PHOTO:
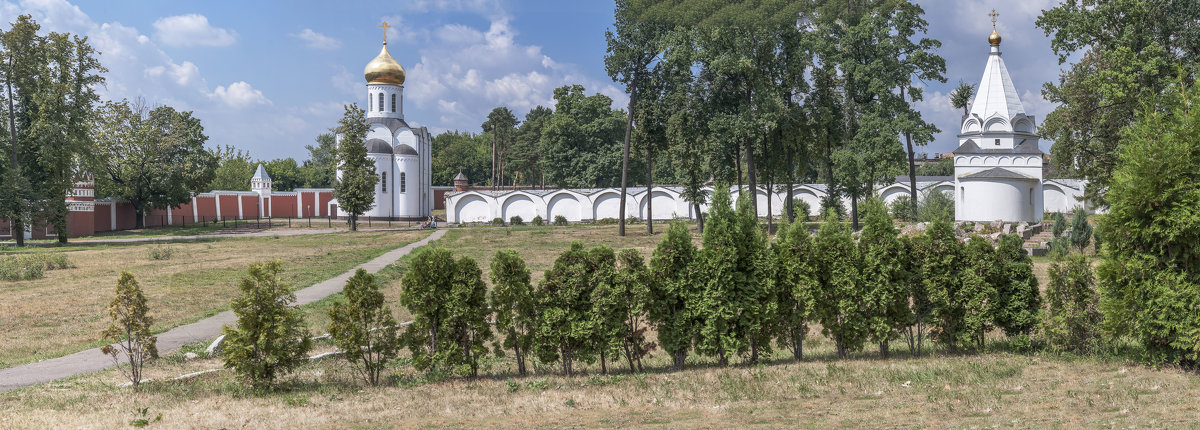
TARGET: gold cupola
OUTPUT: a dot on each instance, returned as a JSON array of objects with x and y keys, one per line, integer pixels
[
  {"x": 384, "y": 69},
  {"x": 994, "y": 38}
]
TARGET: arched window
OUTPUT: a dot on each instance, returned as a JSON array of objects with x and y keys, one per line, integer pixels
[
  {"x": 383, "y": 181},
  {"x": 381, "y": 102},
  {"x": 393, "y": 103},
  {"x": 403, "y": 186}
]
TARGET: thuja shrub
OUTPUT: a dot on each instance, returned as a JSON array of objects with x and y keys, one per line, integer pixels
[
  {"x": 537, "y": 220},
  {"x": 448, "y": 302},
  {"x": 270, "y": 338},
  {"x": 1072, "y": 316},
  {"x": 560, "y": 220},
  {"x": 129, "y": 330},
  {"x": 671, "y": 289},
  {"x": 363, "y": 327},
  {"x": 514, "y": 307}
]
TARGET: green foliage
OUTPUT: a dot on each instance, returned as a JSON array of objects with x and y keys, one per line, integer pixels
[
  {"x": 152, "y": 158},
  {"x": 1059, "y": 226},
  {"x": 159, "y": 252},
  {"x": 581, "y": 140},
  {"x": 355, "y": 190},
  {"x": 801, "y": 209},
  {"x": 286, "y": 174},
  {"x": 935, "y": 206},
  {"x": 560, "y": 220},
  {"x": 516, "y": 220},
  {"x": 619, "y": 307},
  {"x": 901, "y": 208},
  {"x": 448, "y": 301},
  {"x": 840, "y": 295},
  {"x": 497, "y": 221},
  {"x": 234, "y": 170},
  {"x": 884, "y": 276},
  {"x": 31, "y": 266},
  {"x": 270, "y": 337},
  {"x": 455, "y": 151},
  {"x": 1017, "y": 300},
  {"x": 796, "y": 285},
  {"x": 670, "y": 291},
  {"x": 1150, "y": 274},
  {"x": 566, "y": 330},
  {"x": 833, "y": 202},
  {"x": 363, "y": 327},
  {"x": 143, "y": 418},
  {"x": 538, "y": 221},
  {"x": 978, "y": 294},
  {"x": 499, "y": 127},
  {"x": 944, "y": 274},
  {"x": 129, "y": 329},
  {"x": 1081, "y": 231},
  {"x": 320, "y": 169},
  {"x": 960, "y": 98},
  {"x": 513, "y": 302},
  {"x": 943, "y": 167},
  {"x": 1072, "y": 317}
]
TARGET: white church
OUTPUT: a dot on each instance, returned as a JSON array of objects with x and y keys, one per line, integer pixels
[
  {"x": 998, "y": 175},
  {"x": 402, "y": 154}
]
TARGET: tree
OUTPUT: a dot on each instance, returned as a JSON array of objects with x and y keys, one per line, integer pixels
[
  {"x": 1148, "y": 276},
  {"x": 884, "y": 276},
  {"x": 320, "y": 169},
  {"x": 500, "y": 124},
  {"x": 581, "y": 140},
  {"x": 270, "y": 337},
  {"x": 1018, "y": 300},
  {"x": 48, "y": 101},
  {"x": 1059, "y": 226},
  {"x": 1081, "y": 231},
  {"x": 286, "y": 174},
  {"x": 513, "y": 302},
  {"x": 671, "y": 290},
  {"x": 234, "y": 169},
  {"x": 363, "y": 327},
  {"x": 981, "y": 277},
  {"x": 1072, "y": 316},
  {"x": 152, "y": 158},
  {"x": 354, "y": 189},
  {"x": 944, "y": 272},
  {"x": 620, "y": 307},
  {"x": 1126, "y": 52},
  {"x": 130, "y": 329},
  {"x": 960, "y": 97},
  {"x": 455, "y": 152},
  {"x": 839, "y": 296},
  {"x": 566, "y": 331},
  {"x": 526, "y": 153},
  {"x": 448, "y": 301},
  {"x": 795, "y": 284},
  {"x": 943, "y": 167}
]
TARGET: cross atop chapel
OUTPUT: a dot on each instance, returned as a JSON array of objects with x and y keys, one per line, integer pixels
[{"x": 385, "y": 28}]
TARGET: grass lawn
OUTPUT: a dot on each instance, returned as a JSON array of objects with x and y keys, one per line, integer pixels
[
  {"x": 994, "y": 388},
  {"x": 65, "y": 311}
]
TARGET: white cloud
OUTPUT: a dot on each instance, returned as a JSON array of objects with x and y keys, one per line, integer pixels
[
  {"x": 317, "y": 40},
  {"x": 182, "y": 74},
  {"x": 192, "y": 30},
  {"x": 239, "y": 95}
]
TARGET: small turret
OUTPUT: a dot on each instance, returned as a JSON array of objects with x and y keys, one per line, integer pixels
[
  {"x": 261, "y": 182},
  {"x": 460, "y": 182}
]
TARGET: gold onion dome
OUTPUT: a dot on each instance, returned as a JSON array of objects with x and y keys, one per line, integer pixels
[
  {"x": 994, "y": 38},
  {"x": 384, "y": 69}
]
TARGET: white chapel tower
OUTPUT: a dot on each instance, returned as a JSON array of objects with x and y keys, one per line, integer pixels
[
  {"x": 402, "y": 154},
  {"x": 998, "y": 165}
]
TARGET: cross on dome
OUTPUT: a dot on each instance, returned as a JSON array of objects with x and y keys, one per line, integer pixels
[{"x": 385, "y": 28}]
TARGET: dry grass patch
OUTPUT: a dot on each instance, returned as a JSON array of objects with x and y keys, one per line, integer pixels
[{"x": 65, "y": 310}]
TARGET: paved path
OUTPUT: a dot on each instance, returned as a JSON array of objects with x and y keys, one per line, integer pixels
[{"x": 93, "y": 360}]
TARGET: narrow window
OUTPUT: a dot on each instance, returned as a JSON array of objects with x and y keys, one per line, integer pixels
[
  {"x": 997, "y": 141},
  {"x": 402, "y": 184},
  {"x": 381, "y": 104},
  {"x": 370, "y": 106},
  {"x": 383, "y": 181},
  {"x": 393, "y": 103}
]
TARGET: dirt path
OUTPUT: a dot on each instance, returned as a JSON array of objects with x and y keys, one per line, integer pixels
[{"x": 93, "y": 360}]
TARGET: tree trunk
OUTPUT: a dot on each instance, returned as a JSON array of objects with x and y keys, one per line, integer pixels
[
  {"x": 18, "y": 225},
  {"x": 625, "y": 161},
  {"x": 789, "y": 206},
  {"x": 738, "y": 163},
  {"x": 493, "y": 157},
  {"x": 883, "y": 349},
  {"x": 912, "y": 167},
  {"x": 138, "y": 218},
  {"x": 603, "y": 361},
  {"x": 678, "y": 358},
  {"x": 699, "y": 218},
  {"x": 854, "y": 212},
  {"x": 798, "y": 344},
  {"x": 649, "y": 189}
]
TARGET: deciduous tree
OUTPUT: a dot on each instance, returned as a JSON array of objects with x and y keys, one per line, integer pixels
[{"x": 355, "y": 186}]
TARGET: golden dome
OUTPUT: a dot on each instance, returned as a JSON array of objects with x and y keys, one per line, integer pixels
[
  {"x": 994, "y": 38},
  {"x": 384, "y": 69}
]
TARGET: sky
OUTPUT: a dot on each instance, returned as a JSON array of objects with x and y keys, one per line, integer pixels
[{"x": 269, "y": 76}]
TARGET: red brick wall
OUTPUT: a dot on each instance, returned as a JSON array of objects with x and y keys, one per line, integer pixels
[
  {"x": 229, "y": 209},
  {"x": 102, "y": 218},
  {"x": 182, "y": 214},
  {"x": 81, "y": 224},
  {"x": 206, "y": 208},
  {"x": 249, "y": 207},
  {"x": 283, "y": 207},
  {"x": 324, "y": 197},
  {"x": 126, "y": 217}
]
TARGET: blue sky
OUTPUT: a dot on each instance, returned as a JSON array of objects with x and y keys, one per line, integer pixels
[{"x": 269, "y": 76}]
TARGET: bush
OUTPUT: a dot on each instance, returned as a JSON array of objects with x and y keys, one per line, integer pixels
[
  {"x": 839, "y": 295},
  {"x": 560, "y": 220},
  {"x": 901, "y": 208},
  {"x": 671, "y": 288},
  {"x": 631, "y": 220},
  {"x": 363, "y": 327},
  {"x": 159, "y": 252},
  {"x": 1018, "y": 302},
  {"x": 801, "y": 210},
  {"x": 884, "y": 276},
  {"x": 1060, "y": 225},
  {"x": 1072, "y": 317},
  {"x": 497, "y": 221},
  {"x": 538, "y": 221},
  {"x": 1081, "y": 231},
  {"x": 270, "y": 337},
  {"x": 832, "y": 202},
  {"x": 607, "y": 221},
  {"x": 31, "y": 266},
  {"x": 513, "y": 303},
  {"x": 129, "y": 329},
  {"x": 516, "y": 220},
  {"x": 566, "y": 331},
  {"x": 936, "y": 206}
]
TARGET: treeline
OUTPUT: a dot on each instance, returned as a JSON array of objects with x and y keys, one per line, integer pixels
[{"x": 235, "y": 168}]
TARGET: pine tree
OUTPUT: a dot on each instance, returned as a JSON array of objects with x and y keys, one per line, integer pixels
[
  {"x": 270, "y": 337},
  {"x": 884, "y": 276},
  {"x": 1018, "y": 300},
  {"x": 513, "y": 302},
  {"x": 363, "y": 327},
  {"x": 1059, "y": 226},
  {"x": 1072, "y": 317},
  {"x": 355, "y": 186},
  {"x": 840, "y": 298},
  {"x": 671, "y": 290},
  {"x": 796, "y": 283},
  {"x": 1081, "y": 231},
  {"x": 130, "y": 329}
]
